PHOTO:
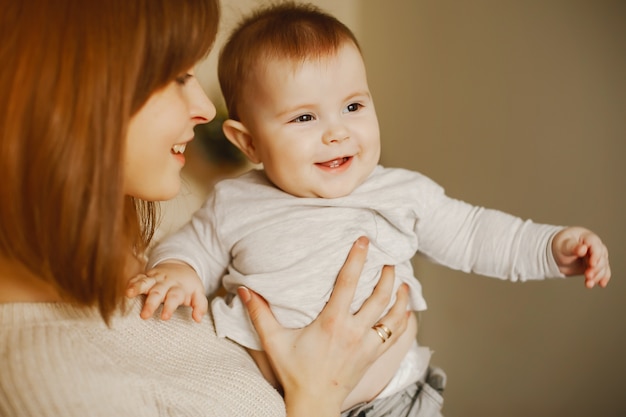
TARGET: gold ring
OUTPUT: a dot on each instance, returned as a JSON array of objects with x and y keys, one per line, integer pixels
[{"x": 383, "y": 331}]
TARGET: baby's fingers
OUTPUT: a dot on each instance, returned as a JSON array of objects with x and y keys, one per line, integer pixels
[
  {"x": 604, "y": 280},
  {"x": 598, "y": 270},
  {"x": 174, "y": 298},
  {"x": 156, "y": 296},
  {"x": 140, "y": 284},
  {"x": 200, "y": 306},
  {"x": 600, "y": 274}
]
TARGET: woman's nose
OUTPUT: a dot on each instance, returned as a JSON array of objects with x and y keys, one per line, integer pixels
[{"x": 202, "y": 108}]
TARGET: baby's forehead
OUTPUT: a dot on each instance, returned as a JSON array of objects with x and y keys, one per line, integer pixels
[
  {"x": 292, "y": 65},
  {"x": 275, "y": 76},
  {"x": 295, "y": 62}
]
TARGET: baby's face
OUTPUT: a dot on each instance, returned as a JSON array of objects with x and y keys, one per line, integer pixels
[{"x": 313, "y": 124}]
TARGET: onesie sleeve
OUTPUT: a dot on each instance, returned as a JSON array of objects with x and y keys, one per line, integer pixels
[
  {"x": 485, "y": 241},
  {"x": 198, "y": 244}
]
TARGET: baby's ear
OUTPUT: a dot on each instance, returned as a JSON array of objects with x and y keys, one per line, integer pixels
[{"x": 239, "y": 136}]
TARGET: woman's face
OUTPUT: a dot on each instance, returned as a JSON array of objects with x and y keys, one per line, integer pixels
[{"x": 157, "y": 136}]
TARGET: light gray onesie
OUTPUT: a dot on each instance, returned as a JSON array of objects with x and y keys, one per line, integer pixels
[{"x": 290, "y": 249}]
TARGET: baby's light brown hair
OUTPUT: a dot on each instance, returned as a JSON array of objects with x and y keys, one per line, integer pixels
[{"x": 293, "y": 31}]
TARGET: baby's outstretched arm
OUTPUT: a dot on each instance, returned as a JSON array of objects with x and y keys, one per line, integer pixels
[
  {"x": 578, "y": 251},
  {"x": 171, "y": 283}
]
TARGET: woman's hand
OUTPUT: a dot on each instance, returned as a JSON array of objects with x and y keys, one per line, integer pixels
[{"x": 319, "y": 365}]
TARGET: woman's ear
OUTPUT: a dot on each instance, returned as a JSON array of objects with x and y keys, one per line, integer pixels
[{"x": 239, "y": 136}]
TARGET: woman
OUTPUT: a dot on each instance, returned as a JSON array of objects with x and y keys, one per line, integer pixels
[{"x": 99, "y": 100}]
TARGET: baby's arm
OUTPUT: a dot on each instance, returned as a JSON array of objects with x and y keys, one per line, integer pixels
[
  {"x": 171, "y": 283},
  {"x": 578, "y": 251}
]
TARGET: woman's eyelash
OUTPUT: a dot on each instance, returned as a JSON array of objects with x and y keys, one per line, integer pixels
[{"x": 182, "y": 79}]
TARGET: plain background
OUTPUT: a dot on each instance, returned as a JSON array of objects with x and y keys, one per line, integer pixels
[{"x": 520, "y": 106}]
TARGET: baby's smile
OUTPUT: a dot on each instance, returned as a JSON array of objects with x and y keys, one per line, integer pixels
[{"x": 335, "y": 163}]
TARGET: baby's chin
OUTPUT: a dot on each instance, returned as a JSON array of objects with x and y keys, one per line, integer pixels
[
  {"x": 325, "y": 188},
  {"x": 338, "y": 194},
  {"x": 335, "y": 192}
]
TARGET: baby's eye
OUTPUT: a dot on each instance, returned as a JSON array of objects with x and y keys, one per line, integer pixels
[
  {"x": 303, "y": 118},
  {"x": 352, "y": 107},
  {"x": 182, "y": 79}
]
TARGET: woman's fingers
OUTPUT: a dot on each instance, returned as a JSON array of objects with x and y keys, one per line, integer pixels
[
  {"x": 376, "y": 304},
  {"x": 395, "y": 320},
  {"x": 328, "y": 357},
  {"x": 345, "y": 285},
  {"x": 260, "y": 314}
]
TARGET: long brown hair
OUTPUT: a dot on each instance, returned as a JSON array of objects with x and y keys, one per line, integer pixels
[{"x": 74, "y": 73}]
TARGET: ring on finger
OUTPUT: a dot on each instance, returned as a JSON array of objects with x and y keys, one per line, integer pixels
[{"x": 383, "y": 331}]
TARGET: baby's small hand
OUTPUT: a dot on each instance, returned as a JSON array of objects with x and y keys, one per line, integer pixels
[
  {"x": 139, "y": 284},
  {"x": 580, "y": 251},
  {"x": 172, "y": 285}
]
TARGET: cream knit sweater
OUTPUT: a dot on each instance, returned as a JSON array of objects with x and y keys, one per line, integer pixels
[{"x": 58, "y": 360}]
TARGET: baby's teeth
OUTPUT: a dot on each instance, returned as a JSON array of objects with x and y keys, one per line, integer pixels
[
  {"x": 179, "y": 148},
  {"x": 334, "y": 164}
]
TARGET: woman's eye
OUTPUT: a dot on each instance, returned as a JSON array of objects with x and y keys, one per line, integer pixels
[
  {"x": 182, "y": 79},
  {"x": 303, "y": 118},
  {"x": 352, "y": 107}
]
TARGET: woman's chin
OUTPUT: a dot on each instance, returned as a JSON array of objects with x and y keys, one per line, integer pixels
[{"x": 162, "y": 193}]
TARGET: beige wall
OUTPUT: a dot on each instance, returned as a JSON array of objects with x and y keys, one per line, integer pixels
[{"x": 517, "y": 105}]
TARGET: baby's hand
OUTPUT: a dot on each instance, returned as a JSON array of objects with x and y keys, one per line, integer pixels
[
  {"x": 172, "y": 284},
  {"x": 579, "y": 251}
]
